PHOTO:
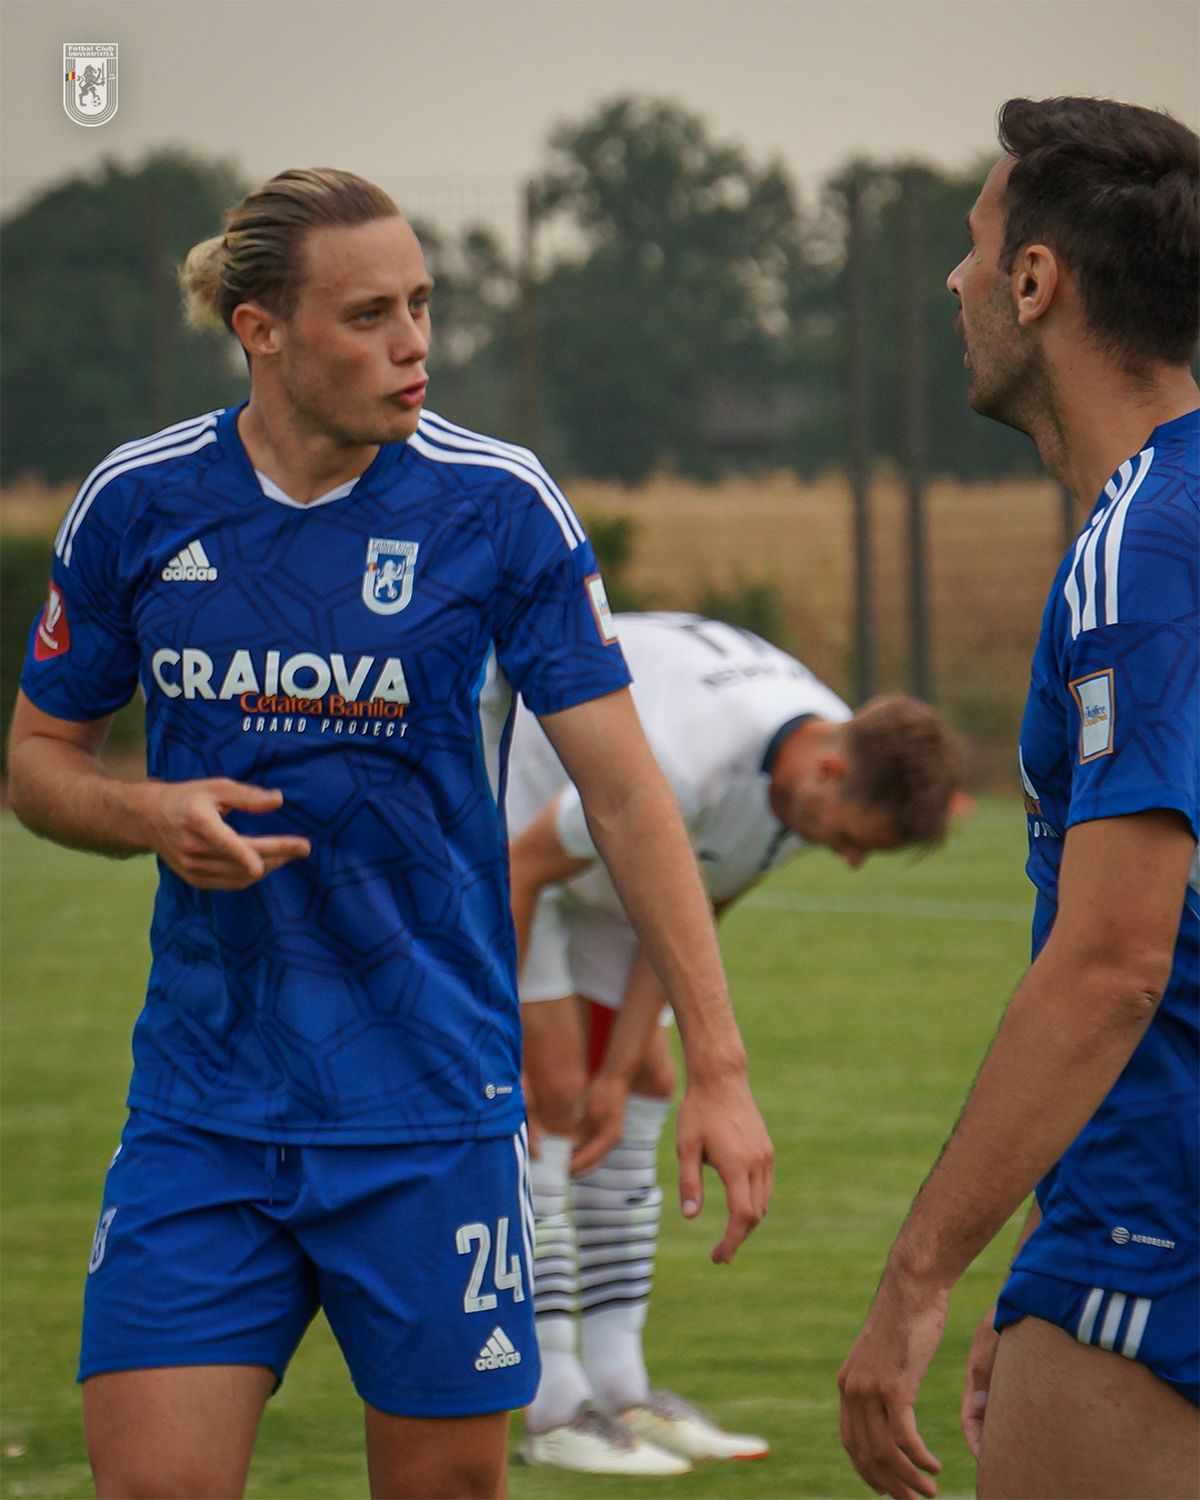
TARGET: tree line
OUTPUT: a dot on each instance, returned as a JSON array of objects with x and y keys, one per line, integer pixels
[{"x": 696, "y": 323}]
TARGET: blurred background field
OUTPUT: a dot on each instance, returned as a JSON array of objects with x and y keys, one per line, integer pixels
[{"x": 867, "y": 1000}]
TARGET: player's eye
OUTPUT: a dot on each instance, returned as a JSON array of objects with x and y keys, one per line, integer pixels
[
  {"x": 368, "y": 317},
  {"x": 418, "y": 305}
]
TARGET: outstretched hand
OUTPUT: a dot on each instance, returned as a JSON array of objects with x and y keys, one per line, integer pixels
[
  {"x": 719, "y": 1125},
  {"x": 191, "y": 836}
]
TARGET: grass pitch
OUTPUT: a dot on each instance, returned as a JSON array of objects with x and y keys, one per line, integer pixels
[{"x": 867, "y": 1001}]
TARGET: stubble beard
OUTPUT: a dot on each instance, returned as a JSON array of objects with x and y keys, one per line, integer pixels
[
  {"x": 1008, "y": 378},
  {"x": 313, "y": 407}
]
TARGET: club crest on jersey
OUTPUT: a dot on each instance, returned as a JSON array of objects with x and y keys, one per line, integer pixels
[
  {"x": 388, "y": 578},
  {"x": 90, "y": 81}
]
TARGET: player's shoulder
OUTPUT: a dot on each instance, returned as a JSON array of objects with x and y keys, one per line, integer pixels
[
  {"x": 121, "y": 475},
  {"x": 1138, "y": 558},
  {"x": 494, "y": 471}
]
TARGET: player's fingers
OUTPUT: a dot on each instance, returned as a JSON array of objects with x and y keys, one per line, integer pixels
[
  {"x": 691, "y": 1189},
  {"x": 761, "y": 1184},
  {"x": 278, "y": 849},
  {"x": 974, "y": 1403},
  {"x": 246, "y": 798},
  {"x": 899, "y": 1455},
  {"x": 594, "y": 1142},
  {"x": 741, "y": 1220}
]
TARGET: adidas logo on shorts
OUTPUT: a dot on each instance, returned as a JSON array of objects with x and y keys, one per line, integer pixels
[
  {"x": 189, "y": 566},
  {"x": 498, "y": 1353}
]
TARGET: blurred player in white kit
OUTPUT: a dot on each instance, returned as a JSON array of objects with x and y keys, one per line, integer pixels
[{"x": 764, "y": 761}]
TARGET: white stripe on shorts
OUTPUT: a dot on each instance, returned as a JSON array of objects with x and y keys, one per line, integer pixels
[
  {"x": 1137, "y": 1326},
  {"x": 1090, "y": 1310},
  {"x": 1112, "y": 1320}
]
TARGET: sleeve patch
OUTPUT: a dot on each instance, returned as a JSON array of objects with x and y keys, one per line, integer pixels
[
  {"x": 53, "y": 637},
  {"x": 600, "y": 608},
  {"x": 1094, "y": 696}
]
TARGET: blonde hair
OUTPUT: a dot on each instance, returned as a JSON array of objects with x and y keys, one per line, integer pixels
[{"x": 258, "y": 258}]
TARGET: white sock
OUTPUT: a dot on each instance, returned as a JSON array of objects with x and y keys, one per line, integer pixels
[
  {"x": 563, "y": 1386},
  {"x": 617, "y": 1210}
]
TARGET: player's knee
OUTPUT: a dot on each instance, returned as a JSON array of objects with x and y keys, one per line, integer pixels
[
  {"x": 447, "y": 1475},
  {"x": 559, "y": 1097},
  {"x": 168, "y": 1480}
]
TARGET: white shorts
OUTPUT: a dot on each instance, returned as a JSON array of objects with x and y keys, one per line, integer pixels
[{"x": 577, "y": 950}]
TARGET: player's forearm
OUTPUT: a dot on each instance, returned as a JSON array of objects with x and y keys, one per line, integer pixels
[
  {"x": 645, "y": 847},
  {"x": 61, "y": 792},
  {"x": 1069, "y": 1031},
  {"x": 636, "y": 1021}
]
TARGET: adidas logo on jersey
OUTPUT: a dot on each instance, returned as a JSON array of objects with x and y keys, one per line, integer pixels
[
  {"x": 189, "y": 566},
  {"x": 498, "y": 1353}
]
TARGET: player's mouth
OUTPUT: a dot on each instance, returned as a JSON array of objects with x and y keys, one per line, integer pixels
[
  {"x": 411, "y": 396},
  {"x": 962, "y": 333}
]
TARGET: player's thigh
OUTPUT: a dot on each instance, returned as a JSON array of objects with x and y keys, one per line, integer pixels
[
  {"x": 1069, "y": 1420},
  {"x": 555, "y": 1069},
  {"x": 183, "y": 1433},
  {"x": 423, "y": 1256},
  {"x": 430, "y": 1458}
]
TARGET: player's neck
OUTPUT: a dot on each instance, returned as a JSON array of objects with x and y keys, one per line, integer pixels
[
  {"x": 303, "y": 463},
  {"x": 1101, "y": 416}
]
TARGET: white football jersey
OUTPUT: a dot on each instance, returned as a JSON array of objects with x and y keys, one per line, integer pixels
[{"x": 712, "y": 699}]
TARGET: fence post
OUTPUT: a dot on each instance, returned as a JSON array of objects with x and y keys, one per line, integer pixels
[
  {"x": 528, "y": 373},
  {"x": 913, "y": 420},
  {"x": 859, "y": 436}
]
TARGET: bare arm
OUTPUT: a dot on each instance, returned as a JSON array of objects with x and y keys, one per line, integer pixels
[
  {"x": 637, "y": 829},
  {"x": 59, "y": 789},
  {"x": 635, "y": 1024},
  {"x": 1069, "y": 1030}
]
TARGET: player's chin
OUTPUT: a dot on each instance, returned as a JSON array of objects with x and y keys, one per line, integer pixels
[{"x": 389, "y": 426}]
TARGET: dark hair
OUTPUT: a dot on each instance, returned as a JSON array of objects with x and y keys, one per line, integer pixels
[
  {"x": 904, "y": 760},
  {"x": 258, "y": 257},
  {"x": 1112, "y": 189}
]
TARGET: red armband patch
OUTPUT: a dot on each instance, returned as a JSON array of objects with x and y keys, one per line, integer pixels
[{"x": 53, "y": 637}]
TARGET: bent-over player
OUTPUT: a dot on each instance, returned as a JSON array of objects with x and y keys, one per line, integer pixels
[{"x": 764, "y": 761}]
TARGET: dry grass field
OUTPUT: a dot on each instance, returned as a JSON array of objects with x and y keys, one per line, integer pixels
[{"x": 992, "y": 551}]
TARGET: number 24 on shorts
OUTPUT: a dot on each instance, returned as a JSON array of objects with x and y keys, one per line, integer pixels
[{"x": 506, "y": 1269}]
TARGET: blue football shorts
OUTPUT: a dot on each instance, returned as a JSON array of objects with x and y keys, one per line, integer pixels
[
  {"x": 1161, "y": 1332},
  {"x": 215, "y": 1250}
]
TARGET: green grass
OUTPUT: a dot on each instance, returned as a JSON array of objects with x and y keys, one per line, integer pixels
[{"x": 867, "y": 1001}]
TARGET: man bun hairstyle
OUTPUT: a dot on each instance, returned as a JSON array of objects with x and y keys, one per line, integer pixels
[
  {"x": 1113, "y": 190},
  {"x": 903, "y": 759},
  {"x": 259, "y": 257}
]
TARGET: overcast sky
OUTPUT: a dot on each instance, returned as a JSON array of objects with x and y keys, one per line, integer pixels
[{"x": 449, "y": 103}]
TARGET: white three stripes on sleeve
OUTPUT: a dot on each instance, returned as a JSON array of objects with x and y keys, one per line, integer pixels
[
  {"x": 445, "y": 443},
  {"x": 172, "y": 442},
  {"x": 1110, "y": 522}
]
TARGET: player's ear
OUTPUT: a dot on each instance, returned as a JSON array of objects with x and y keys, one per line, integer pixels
[
  {"x": 832, "y": 767},
  {"x": 1034, "y": 281},
  {"x": 260, "y": 331}
]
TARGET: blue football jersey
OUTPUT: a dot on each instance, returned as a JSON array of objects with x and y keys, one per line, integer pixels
[
  {"x": 335, "y": 651},
  {"x": 1112, "y": 727}
]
